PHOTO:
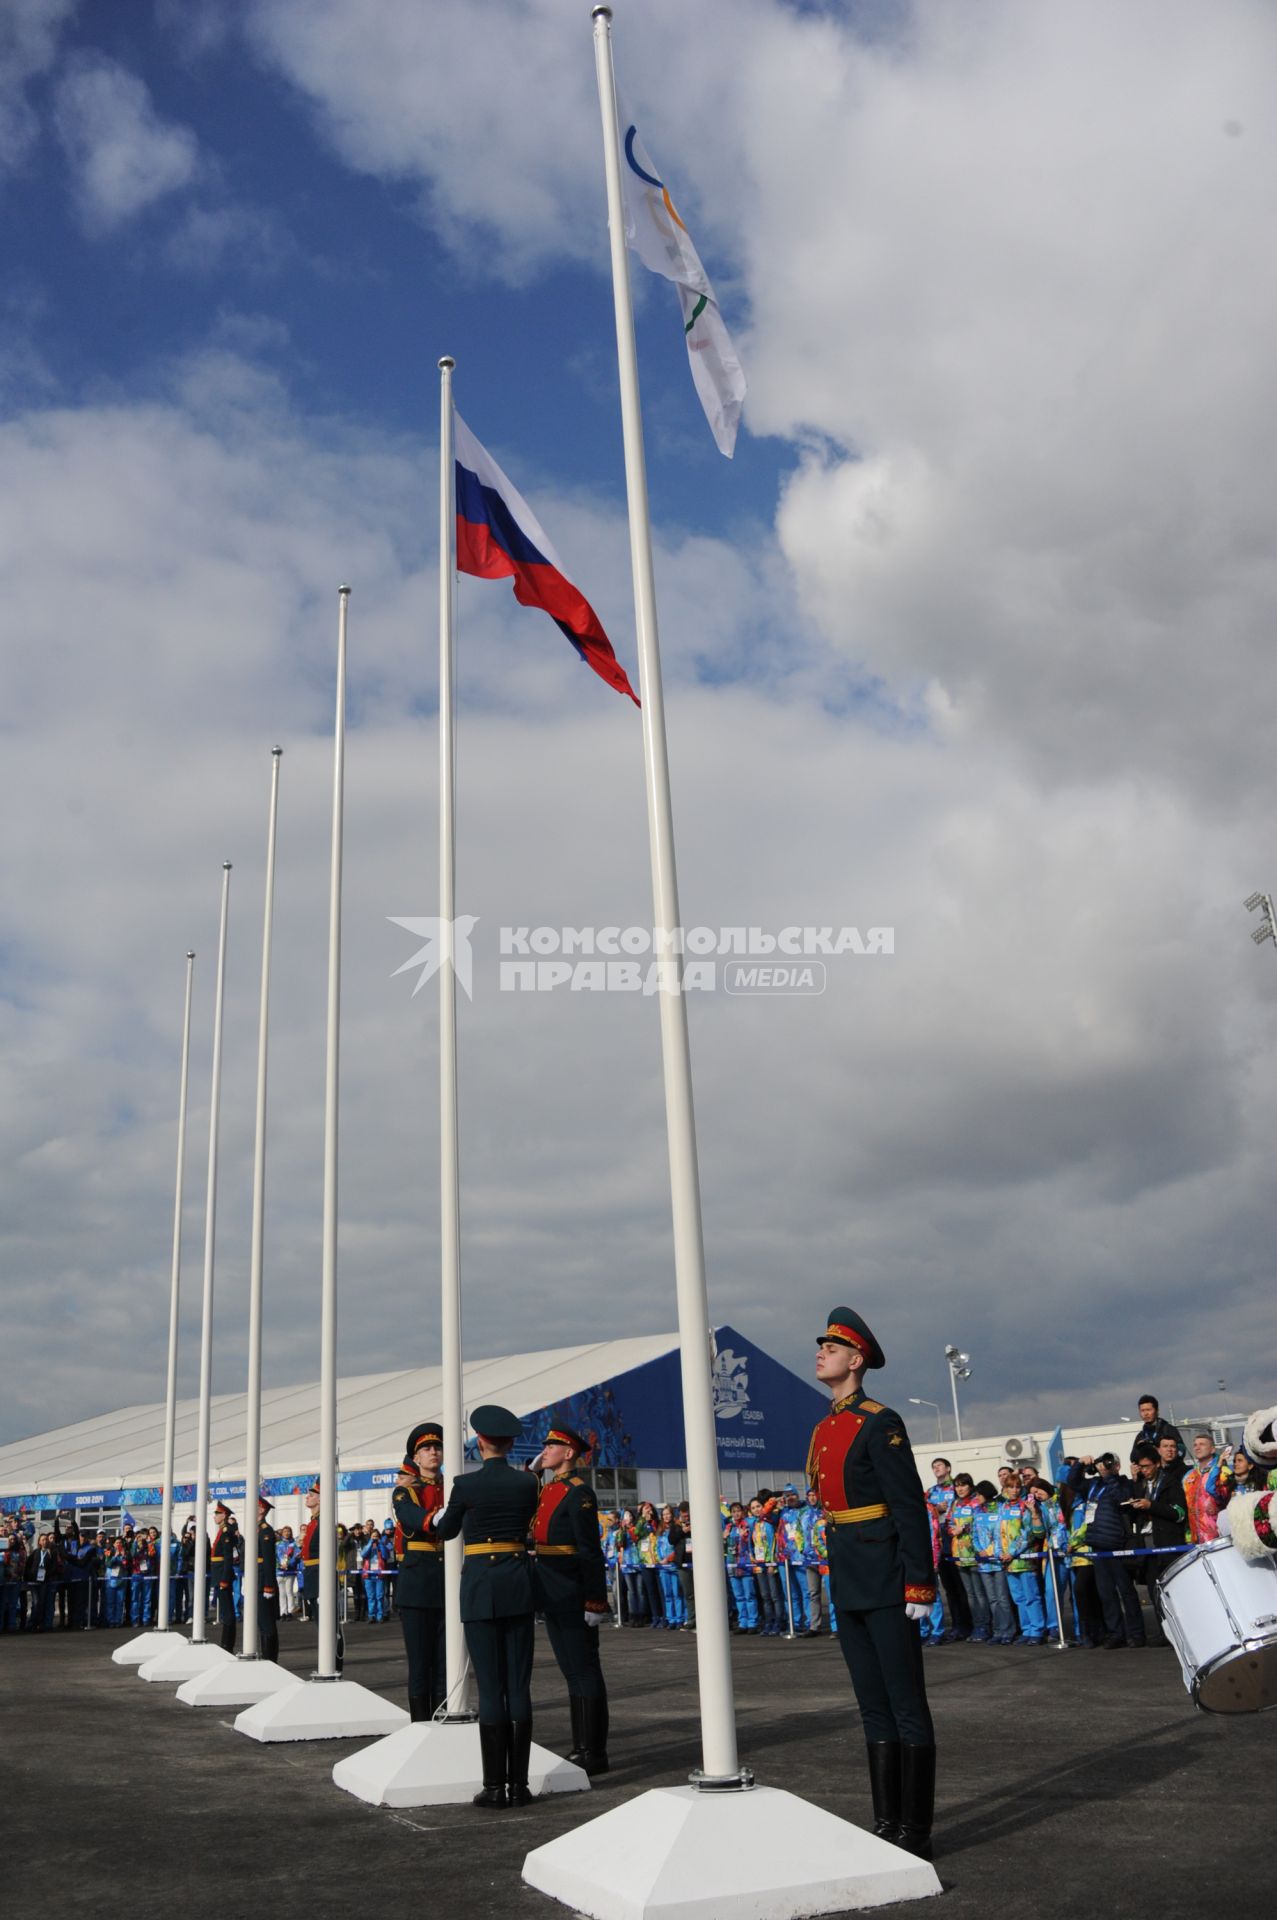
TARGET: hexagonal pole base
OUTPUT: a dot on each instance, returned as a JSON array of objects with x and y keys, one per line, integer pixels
[
  {"x": 147, "y": 1646},
  {"x": 437, "y": 1763},
  {"x": 183, "y": 1661},
  {"x": 679, "y": 1853},
  {"x": 239, "y": 1683},
  {"x": 321, "y": 1710}
]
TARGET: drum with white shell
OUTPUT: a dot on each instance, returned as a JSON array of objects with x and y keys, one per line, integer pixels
[{"x": 1220, "y": 1615}]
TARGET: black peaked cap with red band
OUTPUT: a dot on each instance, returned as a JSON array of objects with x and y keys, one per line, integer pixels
[
  {"x": 850, "y": 1330},
  {"x": 564, "y": 1436},
  {"x": 423, "y": 1431}
]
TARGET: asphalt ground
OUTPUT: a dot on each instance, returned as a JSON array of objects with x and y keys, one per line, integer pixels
[{"x": 1075, "y": 1783}]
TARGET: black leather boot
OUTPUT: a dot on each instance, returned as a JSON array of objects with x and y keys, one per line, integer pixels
[
  {"x": 594, "y": 1746},
  {"x": 884, "y": 1784},
  {"x": 492, "y": 1745},
  {"x": 576, "y": 1706},
  {"x": 418, "y": 1707},
  {"x": 917, "y": 1799},
  {"x": 520, "y": 1748}
]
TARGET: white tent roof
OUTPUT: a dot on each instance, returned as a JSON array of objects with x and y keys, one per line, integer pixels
[{"x": 374, "y": 1414}]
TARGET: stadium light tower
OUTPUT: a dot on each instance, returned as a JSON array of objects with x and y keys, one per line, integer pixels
[
  {"x": 959, "y": 1369},
  {"x": 1267, "y": 928}
]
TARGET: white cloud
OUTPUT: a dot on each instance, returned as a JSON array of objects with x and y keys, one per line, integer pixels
[
  {"x": 123, "y": 156},
  {"x": 30, "y": 32},
  {"x": 1049, "y": 1093},
  {"x": 1011, "y": 293}
]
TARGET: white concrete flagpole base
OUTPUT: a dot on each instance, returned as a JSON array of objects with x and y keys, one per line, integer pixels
[
  {"x": 239, "y": 1684},
  {"x": 184, "y": 1661},
  {"x": 147, "y": 1646},
  {"x": 681, "y": 1853},
  {"x": 437, "y": 1763},
  {"x": 321, "y": 1710}
]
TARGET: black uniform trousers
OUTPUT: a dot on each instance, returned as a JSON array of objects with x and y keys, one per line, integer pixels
[
  {"x": 576, "y": 1648},
  {"x": 1123, "y": 1617},
  {"x": 423, "y": 1639},
  {"x": 959, "y": 1605},
  {"x": 501, "y": 1655},
  {"x": 268, "y": 1626},
  {"x": 883, "y": 1651}
]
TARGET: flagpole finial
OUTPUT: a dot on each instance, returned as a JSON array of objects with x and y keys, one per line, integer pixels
[
  {"x": 447, "y": 362},
  {"x": 601, "y": 13},
  {"x": 226, "y": 866},
  {"x": 190, "y": 953},
  {"x": 275, "y": 752},
  {"x": 343, "y": 590}
]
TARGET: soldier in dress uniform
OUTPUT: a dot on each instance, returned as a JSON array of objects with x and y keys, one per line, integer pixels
[
  {"x": 492, "y": 1509},
  {"x": 226, "y": 1558},
  {"x": 571, "y": 1589},
  {"x": 418, "y": 1497},
  {"x": 267, "y": 1584},
  {"x": 310, "y": 1569},
  {"x": 881, "y": 1577}
]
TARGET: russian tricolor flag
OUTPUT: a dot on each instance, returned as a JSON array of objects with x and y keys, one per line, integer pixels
[{"x": 499, "y": 537}]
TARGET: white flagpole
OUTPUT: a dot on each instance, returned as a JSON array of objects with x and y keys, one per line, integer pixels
[
  {"x": 253, "y": 1434},
  {"x": 713, "y": 1646},
  {"x": 328, "y": 1308},
  {"x": 199, "y": 1598},
  {"x": 164, "y": 1605},
  {"x": 456, "y": 1665}
]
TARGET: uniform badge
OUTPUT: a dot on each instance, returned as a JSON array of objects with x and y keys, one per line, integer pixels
[{"x": 897, "y": 1439}]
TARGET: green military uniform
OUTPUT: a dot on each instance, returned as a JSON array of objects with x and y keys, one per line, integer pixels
[
  {"x": 267, "y": 1586},
  {"x": 571, "y": 1583},
  {"x": 880, "y": 1563},
  {"x": 419, "y": 1594},
  {"x": 492, "y": 1509}
]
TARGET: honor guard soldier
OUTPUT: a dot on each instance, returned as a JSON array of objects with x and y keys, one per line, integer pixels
[
  {"x": 226, "y": 1559},
  {"x": 310, "y": 1569},
  {"x": 267, "y": 1585},
  {"x": 571, "y": 1589},
  {"x": 418, "y": 1497},
  {"x": 881, "y": 1577},
  {"x": 492, "y": 1510}
]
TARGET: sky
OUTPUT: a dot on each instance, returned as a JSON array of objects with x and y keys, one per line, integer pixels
[{"x": 970, "y": 641}]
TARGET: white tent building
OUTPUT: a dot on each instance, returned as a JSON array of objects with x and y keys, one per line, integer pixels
[{"x": 623, "y": 1393}]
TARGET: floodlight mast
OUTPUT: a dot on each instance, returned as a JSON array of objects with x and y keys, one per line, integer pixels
[
  {"x": 959, "y": 1369},
  {"x": 1262, "y": 903}
]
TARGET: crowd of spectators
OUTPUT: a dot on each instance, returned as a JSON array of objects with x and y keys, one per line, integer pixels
[{"x": 1010, "y": 1558}]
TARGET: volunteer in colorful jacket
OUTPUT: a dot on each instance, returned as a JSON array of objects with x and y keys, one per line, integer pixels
[
  {"x": 882, "y": 1576},
  {"x": 1020, "y": 1537},
  {"x": 1208, "y": 1488},
  {"x": 959, "y": 1525},
  {"x": 942, "y": 1494},
  {"x": 791, "y": 1551}
]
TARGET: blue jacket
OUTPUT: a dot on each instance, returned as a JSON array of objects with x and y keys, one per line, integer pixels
[
  {"x": 986, "y": 1536},
  {"x": 1107, "y": 1525}
]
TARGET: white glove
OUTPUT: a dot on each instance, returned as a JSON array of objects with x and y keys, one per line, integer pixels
[
  {"x": 916, "y": 1610},
  {"x": 595, "y": 1619}
]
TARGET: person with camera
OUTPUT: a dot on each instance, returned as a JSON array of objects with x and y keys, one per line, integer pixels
[
  {"x": 1106, "y": 1495},
  {"x": 1159, "y": 1515}
]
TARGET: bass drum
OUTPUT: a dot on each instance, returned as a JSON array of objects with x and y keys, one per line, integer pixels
[{"x": 1220, "y": 1615}]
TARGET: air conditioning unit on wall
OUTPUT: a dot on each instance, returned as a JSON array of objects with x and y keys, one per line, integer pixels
[{"x": 1021, "y": 1446}]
